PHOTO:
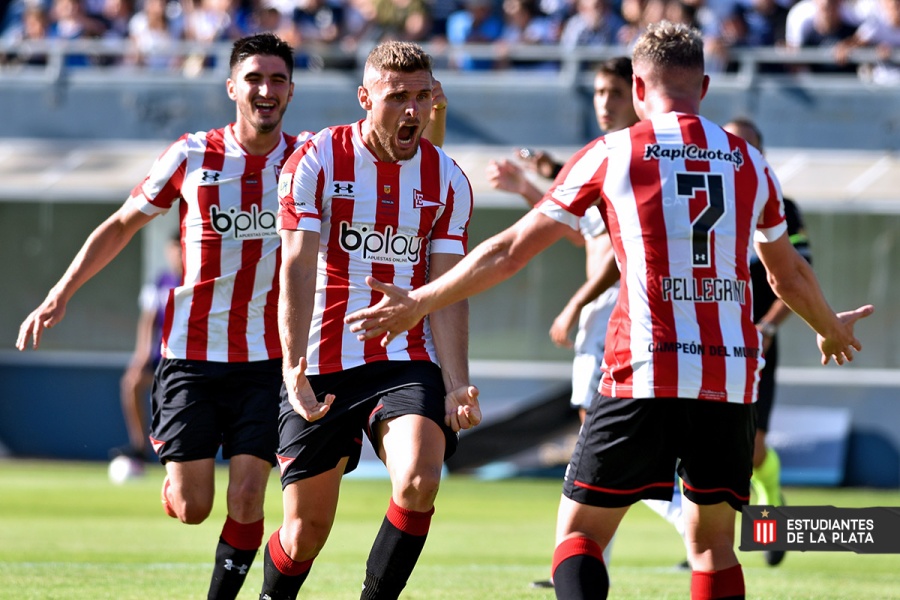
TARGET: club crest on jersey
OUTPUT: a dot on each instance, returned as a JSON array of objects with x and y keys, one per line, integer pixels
[
  {"x": 420, "y": 201},
  {"x": 242, "y": 224},
  {"x": 372, "y": 245},
  {"x": 342, "y": 189}
]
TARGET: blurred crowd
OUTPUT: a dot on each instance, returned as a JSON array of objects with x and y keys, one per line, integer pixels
[{"x": 152, "y": 26}]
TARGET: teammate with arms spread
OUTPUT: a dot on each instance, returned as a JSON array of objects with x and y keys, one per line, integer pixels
[
  {"x": 219, "y": 379},
  {"x": 358, "y": 200},
  {"x": 683, "y": 201}
]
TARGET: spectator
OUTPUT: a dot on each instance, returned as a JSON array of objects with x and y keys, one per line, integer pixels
[
  {"x": 819, "y": 24},
  {"x": 34, "y": 27},
  {"x": 406, "y": 20},
  {"x": 207, "y": 22},
  {"x": 593, "y": 24},
  {"x": 70, "y": 22},
  {"x": 880, "y": 30},
  {"x": 152, "y": 35},
  {"x": 756, "y": 24},
  {"x": 477, "y": 23},
  {"x": 524, "y": 24}
]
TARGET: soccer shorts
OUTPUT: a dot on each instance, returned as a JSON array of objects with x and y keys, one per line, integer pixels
[
  {"x": 198, "y": 406},
  {"x": 628, "y": 449},
  {"x": 363, "y": 396},
  {"x": 765, "y": 394}
]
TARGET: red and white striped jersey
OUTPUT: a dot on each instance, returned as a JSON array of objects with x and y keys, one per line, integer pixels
[
  {"x": 682, "y": 199},
  {"x": 225, "y": 310},
  {"x": 374, "y": 218}
]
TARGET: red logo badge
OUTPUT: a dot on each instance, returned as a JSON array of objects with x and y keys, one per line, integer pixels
[{"x": 764, "y": 531}]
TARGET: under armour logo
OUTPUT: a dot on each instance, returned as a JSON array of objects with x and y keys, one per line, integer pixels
[
  {"x": 230, "y": 566},
  {"x": 338, "y": 188},
  {"x": 211, "y": 175}
]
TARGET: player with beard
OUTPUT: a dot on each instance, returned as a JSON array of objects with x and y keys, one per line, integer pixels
[{"x": 368, "y": 199}]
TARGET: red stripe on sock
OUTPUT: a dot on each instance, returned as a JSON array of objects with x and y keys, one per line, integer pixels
[
  {"x": 409, "y": 521},
  {"x": 284, "y": 563},
  {"x": 575, "y": 546},
  {"x": 709, "y": 585},
  {"x": 243, "y": 536}
]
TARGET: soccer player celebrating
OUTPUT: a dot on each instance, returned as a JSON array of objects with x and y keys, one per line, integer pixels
[
  {"x": 219, "y": 379},
  {"x": 358, "y": 200},
  {"x": 682, "y": 200}
]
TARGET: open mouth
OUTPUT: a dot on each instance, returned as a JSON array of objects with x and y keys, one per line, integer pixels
[
  {"x": 407, "y": 135},
  {"x": 264, "y": 107}
]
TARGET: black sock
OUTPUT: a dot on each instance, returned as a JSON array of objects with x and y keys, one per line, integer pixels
[
  {"x": 237, "y": 548},
  {"x": 578, "y": 570},
  {"x": 395, "y": 552},
  {"x": 282, "y": 576}
]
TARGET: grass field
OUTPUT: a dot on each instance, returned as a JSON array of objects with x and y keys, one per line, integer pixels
[{"x": 67, "y": 533}]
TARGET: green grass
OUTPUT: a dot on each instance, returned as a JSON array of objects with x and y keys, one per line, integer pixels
[{"x": 67, "y": 533}]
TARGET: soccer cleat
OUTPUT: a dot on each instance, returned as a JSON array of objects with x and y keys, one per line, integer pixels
[
  {"x": 542, "y": 584},
  {"x": 165, "y": 499},
  {"x": 774, "y": 557}
]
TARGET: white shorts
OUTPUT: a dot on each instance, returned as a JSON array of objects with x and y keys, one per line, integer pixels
[{"x": 589, "y": 344}]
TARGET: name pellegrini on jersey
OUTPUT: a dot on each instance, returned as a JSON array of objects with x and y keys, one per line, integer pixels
[
  {"x": 692, "y": 152},
  {"x": 372, "y": 245},
  {"x": 706, "y": 289}
]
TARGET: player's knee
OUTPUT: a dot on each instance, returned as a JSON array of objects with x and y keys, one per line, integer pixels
[
  {"x": 245, "y": 500},
  {"x": 419, "y": 489},
  {"x": 303, "y": 539},
  {"x": 191, "y": 510}
]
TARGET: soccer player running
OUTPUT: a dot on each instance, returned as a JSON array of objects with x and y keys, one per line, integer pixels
[
  {"x": 219, "y": 379},
  {"x": 358, "y": 200},
  {"x": 683, "y": 201}
]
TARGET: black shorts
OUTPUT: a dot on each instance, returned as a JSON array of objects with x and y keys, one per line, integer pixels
[
  {"x": 765, "y": 391},
  {"x": 201, "y": 405},
  {"x": 364, "y": 395},
  {"x": 628, "y": 449}
]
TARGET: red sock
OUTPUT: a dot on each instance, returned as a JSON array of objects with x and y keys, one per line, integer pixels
[
  {"x": 727, "y": 584},
  {"x": 575, "y": 546},
  {"x": 243, "y": 536},
  {"x": 409, "y": 521},
  {"x": 284, "y": 563}
]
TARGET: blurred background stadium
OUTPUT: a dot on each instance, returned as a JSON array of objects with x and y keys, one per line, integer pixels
[{"x": 83, "y": 119}]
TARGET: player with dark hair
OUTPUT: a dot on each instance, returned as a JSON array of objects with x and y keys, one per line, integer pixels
[
  {"x": 769, "y": 312},
  {"x": 683, "y": 201},
  {"x": 369, "y": 199},
  {"x": 591, "y": 305},
  {"x": 219, "y": 378}
]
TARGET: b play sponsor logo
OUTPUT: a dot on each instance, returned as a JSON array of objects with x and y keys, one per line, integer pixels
[
  {"x": 372, "y": 245},
  {"x": 243, "y": 224}
]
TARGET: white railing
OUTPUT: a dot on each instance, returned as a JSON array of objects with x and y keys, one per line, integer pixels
[{"x": 54, "y": 59}]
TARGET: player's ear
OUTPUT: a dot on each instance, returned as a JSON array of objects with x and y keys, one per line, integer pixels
[
  {"x": 364, "y": 99},
  {"x": 704, "y": 86},
  {"x": 229, "y": 86}
]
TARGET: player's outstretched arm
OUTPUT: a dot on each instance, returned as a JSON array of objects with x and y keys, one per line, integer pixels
[
  {"x": 491, "y": 262},
  {"x": 793, "y": 280},
  {"x": 102, "y": 245}
]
